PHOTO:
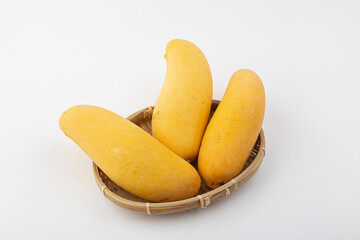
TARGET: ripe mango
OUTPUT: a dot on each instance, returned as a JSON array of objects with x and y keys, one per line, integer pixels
[
  {"x": 233, "y": 129},
  {"x": 183, "y": 106},
  {"x": 129, "y": 156}
]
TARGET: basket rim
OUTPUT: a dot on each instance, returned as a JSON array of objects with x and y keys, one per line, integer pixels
[
  {"x": 203, "y": 200},
  {"x": 255, "y": 164}
]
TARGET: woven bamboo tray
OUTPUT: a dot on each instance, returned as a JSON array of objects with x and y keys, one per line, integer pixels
[{"x": 205, "y": 196}]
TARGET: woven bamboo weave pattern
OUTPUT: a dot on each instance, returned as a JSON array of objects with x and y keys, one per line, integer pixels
[{"x": 205, "y": 196}]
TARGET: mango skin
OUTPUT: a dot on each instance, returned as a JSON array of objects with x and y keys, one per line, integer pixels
[
  {"x": 182, "y": 109},
  {"x": 233, "y": 129},
  {"x": 129, "y": 156}
]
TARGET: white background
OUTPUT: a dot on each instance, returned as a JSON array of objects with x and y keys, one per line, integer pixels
[{"x": 56, "y": 54}]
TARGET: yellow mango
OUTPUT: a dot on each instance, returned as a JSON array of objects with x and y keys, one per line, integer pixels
[
  {"x": 233, "y": 129},
  {"x": 129, "y": 156},
  {"x": 183, "y": 106}
]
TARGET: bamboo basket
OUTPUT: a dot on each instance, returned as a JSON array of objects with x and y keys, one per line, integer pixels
[{"x": 205, "y": 196}]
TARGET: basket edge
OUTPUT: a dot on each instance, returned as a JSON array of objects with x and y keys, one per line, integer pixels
[{"x": 201, "y": 200}]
